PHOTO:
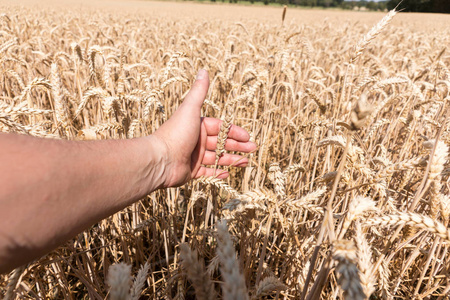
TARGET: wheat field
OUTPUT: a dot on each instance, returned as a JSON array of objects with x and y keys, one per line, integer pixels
[{"x": 346, "y": 197}]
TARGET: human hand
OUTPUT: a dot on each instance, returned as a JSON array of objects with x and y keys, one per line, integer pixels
[{"x": 189, "y": 141}]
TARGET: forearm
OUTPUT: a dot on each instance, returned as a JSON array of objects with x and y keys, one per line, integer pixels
[{"x": 52, "y": 190}]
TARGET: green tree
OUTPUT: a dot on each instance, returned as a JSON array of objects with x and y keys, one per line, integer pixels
[
  {"x": 304, "y": 2},
  {"x": 441, "y": 6},
  {"x": 372, "y": 5},
  {"x": 347, "y": 5},
  {"x": 326, "y": 3},
  {"x": 361, "y": 4},
  {"x": 382, "y": 6}
]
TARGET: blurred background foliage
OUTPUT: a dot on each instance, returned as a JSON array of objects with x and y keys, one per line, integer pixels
[{"x": 436, "y": 6}]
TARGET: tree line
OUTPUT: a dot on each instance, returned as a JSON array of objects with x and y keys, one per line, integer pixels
[{"x": 437, "y": 6}]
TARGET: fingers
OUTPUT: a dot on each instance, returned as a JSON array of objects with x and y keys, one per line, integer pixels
[
  {"x": 230, "y": 145},
  {"x": 237, "y": 133},
  {"x": 209, "y": 172},
  {"x": 226, "y": 160},
  {"x": 238, "y": 138},
  {"x": 198, "y": 91}
]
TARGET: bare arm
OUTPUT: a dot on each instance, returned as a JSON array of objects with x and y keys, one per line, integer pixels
[{"x": 52, "y": 190}]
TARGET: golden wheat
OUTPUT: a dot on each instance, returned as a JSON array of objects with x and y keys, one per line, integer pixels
[{"x": 318, "y": 86}]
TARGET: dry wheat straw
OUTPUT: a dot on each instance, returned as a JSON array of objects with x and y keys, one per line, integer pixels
[{"x": 81, "y": 76}]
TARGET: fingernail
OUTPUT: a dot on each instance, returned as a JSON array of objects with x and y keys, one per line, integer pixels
[{"x": 201, "y": 74}]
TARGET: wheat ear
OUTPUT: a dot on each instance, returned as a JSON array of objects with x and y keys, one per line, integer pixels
[
  {"x": 436, "y": 167},
  {"x": 12, "y": 283},
  {"x": 219, "y": 184},
  {"x": 358, "y": 206},
  {"x": 414, "y": 220},
  {"x": 364, "y": 254},
  {"x": 268, "y": 286},
  {"x": 58, "y": 95},
  {"x": 139, "y": 281},
  {"x": 278, "y": 179},
  {"x": 362, "y": 44},
  {"x": 92, "y": 52},
  {"x": 233, "y": 286},
  {"x": 196, "y": 272},
  {"x": 223, "y": 134},
  {"x": 283, "y": 15},
  {"x": 119, "y": 281},
  {"x": 344, "y": 252}
]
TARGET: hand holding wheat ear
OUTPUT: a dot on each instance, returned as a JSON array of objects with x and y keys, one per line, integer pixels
[
  {"x": 101, "y": 177},
  {"x": 189, "y": 141}
]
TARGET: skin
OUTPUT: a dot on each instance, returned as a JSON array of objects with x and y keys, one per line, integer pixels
[{"x": 51, "y": 190}]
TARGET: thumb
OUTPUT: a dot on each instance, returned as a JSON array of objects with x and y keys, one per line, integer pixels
[{"x": 199, "y": 89}]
